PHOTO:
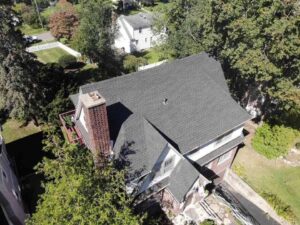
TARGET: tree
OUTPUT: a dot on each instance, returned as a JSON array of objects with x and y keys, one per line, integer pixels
[
  {"x": 20, "y": 93},
  {"x": 95, "y": 34},
  {"x": 29, "y": 15},
  {"x": 257, "y": 43},
  {"x": 77, "y": 194},
  {"x": 64, "y": 23}
]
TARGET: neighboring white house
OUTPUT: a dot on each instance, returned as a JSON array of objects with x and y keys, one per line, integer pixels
[{"x": 135, "y": 33}]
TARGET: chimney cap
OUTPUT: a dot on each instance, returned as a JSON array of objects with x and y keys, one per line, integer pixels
[{"x": 92, "y": 99}]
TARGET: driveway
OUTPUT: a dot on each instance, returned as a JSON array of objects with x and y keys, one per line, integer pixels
[
  {"x": 243, "y": 198},
  {"x": 46, "y": 36}
]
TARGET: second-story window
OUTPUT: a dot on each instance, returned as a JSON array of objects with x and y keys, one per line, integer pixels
[
  {"x": 140, "y": 30},
  {"x": 168, "y": 164},
  {"x": 146, "y": 40}
]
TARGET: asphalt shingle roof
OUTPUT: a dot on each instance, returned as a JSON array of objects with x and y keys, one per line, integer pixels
[
  {"x": 183, "y": 178},
  {"x": 140, "y": 20},
  {"x": 199, "y": 107},
  {"x": 141, "y": 151}
]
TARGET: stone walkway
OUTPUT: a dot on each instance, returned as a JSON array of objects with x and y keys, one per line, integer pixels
[{"x": 211, "y": 208}]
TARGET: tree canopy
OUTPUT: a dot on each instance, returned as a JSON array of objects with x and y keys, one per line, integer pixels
[
  {"x": 75, "y": 193},
  {"x": 95, "y": 34},
  {"x": 64, "y": 22},
  {"x": 20, "y": 92}
]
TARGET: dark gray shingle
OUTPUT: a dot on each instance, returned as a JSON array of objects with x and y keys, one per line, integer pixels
[
  {"x": 140, "y": 20},
  {"x": 198, "y": 110}
]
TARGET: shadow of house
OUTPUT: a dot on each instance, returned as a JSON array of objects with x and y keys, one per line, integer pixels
[
  {"x": 26, "y": 154},
  {"x": 117, "y": 115}
]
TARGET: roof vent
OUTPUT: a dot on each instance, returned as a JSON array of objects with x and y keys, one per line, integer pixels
[{"x": 165, "y": 101}]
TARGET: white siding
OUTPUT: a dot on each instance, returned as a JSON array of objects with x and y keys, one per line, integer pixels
[
  {"x": 134, "y": 40},
  {"x": 214, "y": 145},
  {"x": 82, "y": 120}
]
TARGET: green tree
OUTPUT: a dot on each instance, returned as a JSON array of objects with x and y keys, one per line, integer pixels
[
  {"x": 20, "y": 93},
  {"x": 29, "y": 15},
  {"x": 95, "y": 34},
  {"x": 77, "y": 194}
]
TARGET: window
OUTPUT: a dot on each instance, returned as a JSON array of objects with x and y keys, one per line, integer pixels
[
  {"x": 224, "y": 157},
  {"x": 137, "y": 42},
  {"x": 168, "y": 164},
  {"x": 140, "y": 30},
  {"x": 146, "y": 40}
]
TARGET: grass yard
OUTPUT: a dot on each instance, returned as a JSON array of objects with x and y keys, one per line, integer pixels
[
  {"x": 28, "y": 30},
  {"x": 50, "y": 55},
  {"x": 271, "y": 176},
  {"x": 152, "y": 55},
  {"x": 13, "y": 131}
]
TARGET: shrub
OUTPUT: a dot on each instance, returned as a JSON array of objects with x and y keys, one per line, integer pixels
[
  {"x": 279, "y": 206},
  {"x": 67, "y": 61},
  {"x": 297, "y": 145},
  {"x": 274, "y": 141},
  {"x": 131, "y": 63}
]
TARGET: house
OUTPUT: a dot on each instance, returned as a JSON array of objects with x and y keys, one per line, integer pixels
[
  {"x": 175, "y": 127},
  {"x": 11, "y": 206},
  {"x": 135, "y": 33}
]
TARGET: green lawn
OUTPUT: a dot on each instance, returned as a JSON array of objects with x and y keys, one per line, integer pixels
[
  {"x": 152, "y": 55},
  {"x": 12, "y": 130},
  {"x": 50, "y": 55},
  {"x": 270, "y": 176},
  {"x": 28, "y": 30}
]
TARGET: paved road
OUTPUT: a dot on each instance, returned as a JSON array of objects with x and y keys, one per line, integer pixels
[{"x": 46, "y": 36}]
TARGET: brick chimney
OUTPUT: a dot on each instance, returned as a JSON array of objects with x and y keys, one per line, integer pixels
[{"x": 96, "y": 122}]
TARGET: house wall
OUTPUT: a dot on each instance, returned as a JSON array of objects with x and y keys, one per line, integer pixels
[
  {"x": 194, "y": 156},
  {"x": 10, "y": 192},
  {"x": 82, "y": 120},
  {"x": 132, "y": 40},
  {"x": 219, "y": 167},
  {"x": 145, "y": 39},
  {"x": 169, "y": 202},
  {"x": 122, "y": 39}
]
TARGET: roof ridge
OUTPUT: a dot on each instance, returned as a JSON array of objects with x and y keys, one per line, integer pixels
[{"x": 142, "y": 72}]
